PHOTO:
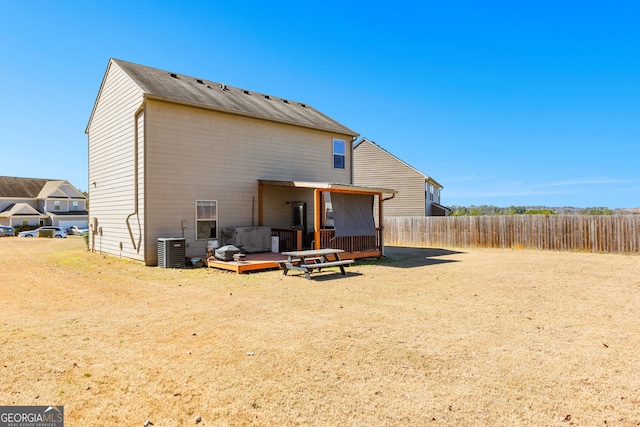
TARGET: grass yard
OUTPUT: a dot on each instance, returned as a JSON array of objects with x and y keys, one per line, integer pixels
[{"x": 442, "y": 337}]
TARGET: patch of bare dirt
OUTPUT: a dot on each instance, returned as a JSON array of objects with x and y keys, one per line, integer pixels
[{"x": 423, "y": 337}]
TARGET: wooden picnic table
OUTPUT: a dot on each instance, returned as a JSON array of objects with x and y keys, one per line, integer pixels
[{"x": 308, "y": 260}]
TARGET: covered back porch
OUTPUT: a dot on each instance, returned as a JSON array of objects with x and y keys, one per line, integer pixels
[{"x": 301, "y": 215}]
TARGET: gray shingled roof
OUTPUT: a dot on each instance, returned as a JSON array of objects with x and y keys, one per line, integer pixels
[
  {"x": 208, "y": 94},
  {"x": 11, "y": 186}
]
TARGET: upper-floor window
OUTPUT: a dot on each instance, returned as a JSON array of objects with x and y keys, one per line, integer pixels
[
  {"x": 339, "y": 153},
  {"x": 75, "y": 206},
  {"x": 431, "y": 193},
  {"x": 56, "y": 205}
]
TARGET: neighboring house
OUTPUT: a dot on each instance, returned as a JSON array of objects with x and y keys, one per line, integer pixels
[
  {"x": 37, "y": 202},
  {"x": 418, "y": 194},
  {"x": 177, "y": 156}
]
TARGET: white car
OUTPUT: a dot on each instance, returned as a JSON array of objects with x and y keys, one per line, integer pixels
[
  {"x": 6, "y": 231},
  {"x": 59, "y": 232},
  {"x": 79, "y": 231}
]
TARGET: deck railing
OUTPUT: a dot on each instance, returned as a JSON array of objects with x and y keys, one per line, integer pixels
[
  {"x": 290, "y": 239},
  {"x": 351, "y": 244}
]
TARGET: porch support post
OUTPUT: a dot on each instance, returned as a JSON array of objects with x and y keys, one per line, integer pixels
[
  {"x": 260, "y": 204},
  {"x": 380, "y": 224},
  {"x": 317, "y": 212}
]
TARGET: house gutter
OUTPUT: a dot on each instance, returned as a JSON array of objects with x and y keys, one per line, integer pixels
[{"x": 135, "y": 180}]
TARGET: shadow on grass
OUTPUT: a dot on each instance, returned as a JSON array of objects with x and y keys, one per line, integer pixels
[
  {"x": 408, "y": 257},
  {"x": 324, "y": 275}
]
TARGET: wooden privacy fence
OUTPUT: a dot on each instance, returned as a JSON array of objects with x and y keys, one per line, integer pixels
[{"x": 593, "y": 233}]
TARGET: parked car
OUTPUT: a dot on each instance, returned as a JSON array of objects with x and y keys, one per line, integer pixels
[
  {"x": 6, "y": 231},
  {"x": 59, "y": 232},
  {"x": 78, "y": 231}
]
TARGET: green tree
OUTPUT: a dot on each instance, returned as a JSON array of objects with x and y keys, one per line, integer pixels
[
  {"x": 539, "y": 212},
  {"x": 596, "y": 211}
]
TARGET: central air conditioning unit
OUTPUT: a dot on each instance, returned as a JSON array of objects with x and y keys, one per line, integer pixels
[{"x": 171, "y": 252}]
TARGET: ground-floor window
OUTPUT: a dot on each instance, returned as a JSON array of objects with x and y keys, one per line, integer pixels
[{"x": 206, "y": 219}]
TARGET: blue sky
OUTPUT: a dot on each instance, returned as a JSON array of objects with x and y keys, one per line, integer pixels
[{"x": 503, "y": 103}]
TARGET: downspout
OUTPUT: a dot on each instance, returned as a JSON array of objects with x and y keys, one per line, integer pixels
[
  {"x": 135, "y": 181},
  {"x": 381, "y": 220}
]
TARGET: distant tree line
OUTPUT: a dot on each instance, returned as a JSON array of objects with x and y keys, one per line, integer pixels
[{"x": 536, "y": 210}]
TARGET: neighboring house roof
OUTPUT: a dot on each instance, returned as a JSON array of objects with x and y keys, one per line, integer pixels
[
  {"x": 182, "y": 89},
  {"x": 444, "y": 208},
  {"x": 59, "y": 189},
  {"x": 14, "y": 187},
  {"x": 69, "y": 213},
  {"x": 426, "y": 177},
  {"x": 20, "y": 209}
]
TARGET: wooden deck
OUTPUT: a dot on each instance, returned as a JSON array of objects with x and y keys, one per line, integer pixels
[
  {"x": 253, "y": 262},
  {"x": 269, "y": 261}
]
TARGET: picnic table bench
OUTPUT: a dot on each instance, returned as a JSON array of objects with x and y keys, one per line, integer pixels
[{"x": 307, "y": 261}]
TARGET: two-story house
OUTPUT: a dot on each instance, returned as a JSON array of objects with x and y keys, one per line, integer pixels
[
  {"x": 177, "y": 156},
  {"x": 418, "y": 194},
  {"x": 37, "y": 201}
]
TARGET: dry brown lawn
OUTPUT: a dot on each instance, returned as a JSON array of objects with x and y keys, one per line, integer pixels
[{"x": 457, "y": 337}]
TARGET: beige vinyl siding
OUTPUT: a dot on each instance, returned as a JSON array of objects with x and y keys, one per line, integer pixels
[
  {"x": 198, "y": 154},
  {"x": 111, "y": 167},
  {"x": 276, "y": 212},
  {"x": 49, "y": 205},
  {"x": 375, "y": 167}
]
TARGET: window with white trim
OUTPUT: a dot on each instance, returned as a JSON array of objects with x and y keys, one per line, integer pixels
[
  {"x": 339, "y": 153},
  {"x": 56, "y": 205},
  {"x": 206, "y": 219},
  {"x": 75, "y": 206}
]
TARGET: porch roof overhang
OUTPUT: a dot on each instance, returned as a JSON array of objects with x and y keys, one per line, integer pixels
[
  {"x": 320, "y": 187},
  {"x": 330, "y": 187}
]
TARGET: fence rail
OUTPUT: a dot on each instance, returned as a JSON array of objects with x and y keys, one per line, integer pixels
[{"x": 590, "y": 233}]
